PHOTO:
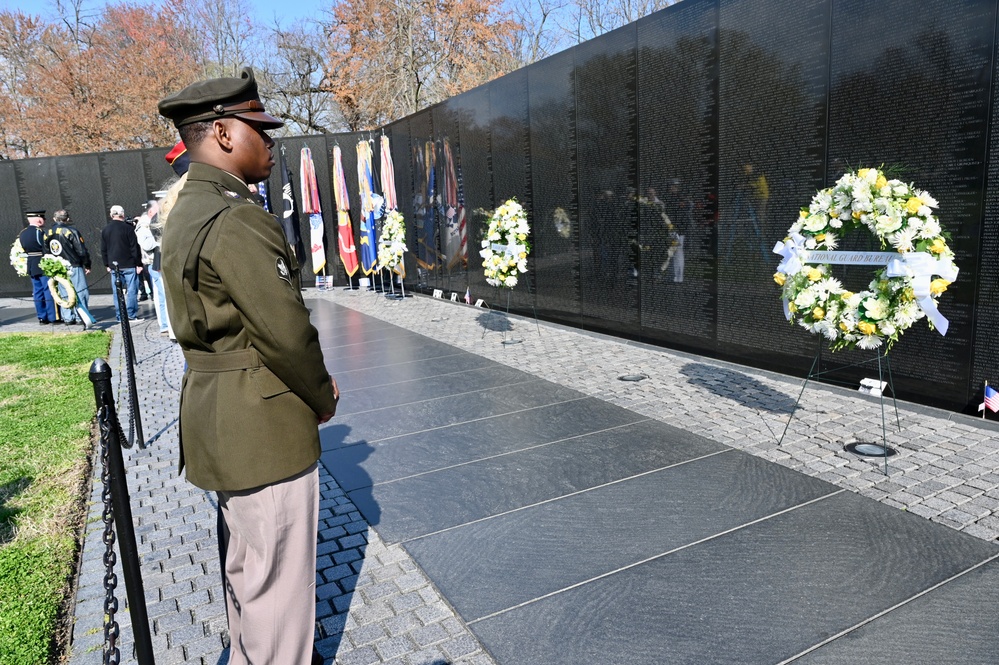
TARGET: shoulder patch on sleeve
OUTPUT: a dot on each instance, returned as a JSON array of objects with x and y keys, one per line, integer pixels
[{"x": 282, "y": 270}]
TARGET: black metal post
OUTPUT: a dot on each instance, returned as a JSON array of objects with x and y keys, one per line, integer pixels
[{"x": 100, "y": 376}]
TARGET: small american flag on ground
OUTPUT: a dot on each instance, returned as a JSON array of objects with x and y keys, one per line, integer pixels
[
  {"x": 468, "y": 301},
  {"x": 991, "y": 400}
]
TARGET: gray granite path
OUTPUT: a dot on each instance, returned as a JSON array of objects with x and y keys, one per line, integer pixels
[{"x": 374, "y": 605}]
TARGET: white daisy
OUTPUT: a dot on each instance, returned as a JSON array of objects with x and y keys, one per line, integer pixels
[{"x": 869, "y": 342}]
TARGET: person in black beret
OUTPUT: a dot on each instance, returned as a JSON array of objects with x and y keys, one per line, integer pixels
[
  {"x": 33, "y": 242},
  {"x": 256, "y": 386}
]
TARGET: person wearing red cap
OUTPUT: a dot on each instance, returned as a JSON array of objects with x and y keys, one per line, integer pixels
[{"x": 256, "y": 386}]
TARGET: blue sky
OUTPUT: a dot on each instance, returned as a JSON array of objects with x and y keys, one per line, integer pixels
[{"x": 289, "y": 10}]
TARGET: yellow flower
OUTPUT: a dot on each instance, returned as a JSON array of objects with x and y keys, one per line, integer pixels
[
  {"x": 818, "y": 314},
  {"x": 834, "y": 214},
  {"x": 814, "y": 274},
  {"x": 938, "y": 286},
  {"x": 803, "y": 213},
  {"x": 913, "y": 205},
  {"x": 866, "y": 328},
  {"x": 780, "y": 278},
  {"x": 792, "y": 307},
  {"x": 908, "y": 295},
  {"x": 939, "y": 246},
  {"x": 863, "y": 173},
  {"x": 521, "y": 236},
  {"x": 820, "y": 237},
  {"x": 843, "y": 326},
  {"x": 523, "y": 255},
  {"x": 881, "y": 181},
  {"x": 846, "y": 294},
  {"x": 856, "y": 214}
]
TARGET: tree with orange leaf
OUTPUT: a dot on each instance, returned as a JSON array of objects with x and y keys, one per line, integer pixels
[{"x": 389, "y": 58}]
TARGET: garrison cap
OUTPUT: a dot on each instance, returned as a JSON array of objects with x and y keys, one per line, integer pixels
[{"x": 218, "y": 98}]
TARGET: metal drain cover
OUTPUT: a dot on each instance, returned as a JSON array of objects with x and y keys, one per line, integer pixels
[
  {"x": 633, "y": 377},
  {"x": 869, "y": 449}
]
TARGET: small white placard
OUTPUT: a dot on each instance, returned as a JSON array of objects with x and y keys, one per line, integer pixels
[
  {"x": 480, "y": 302},
  {"x": 454, "y": 297},
  {"x": 852, "y": 258},
  {"x": 438, "y": 293}
]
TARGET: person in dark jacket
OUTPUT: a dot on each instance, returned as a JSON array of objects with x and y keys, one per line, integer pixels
[
  {"x": 65, "y": 241},
  {"x": 119, "y": 245},
  {"x": 33, "y": 243}
]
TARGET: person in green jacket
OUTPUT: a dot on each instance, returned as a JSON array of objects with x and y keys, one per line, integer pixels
[{"x": 256, "y": 386}]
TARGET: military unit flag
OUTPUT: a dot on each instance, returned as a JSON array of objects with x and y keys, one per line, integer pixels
[
  {"x": 370, "y": 205},
  {"x": 311, "y": 207},
  {"x": 388, "y": 175},
  {"x": 345, "y": 231}
]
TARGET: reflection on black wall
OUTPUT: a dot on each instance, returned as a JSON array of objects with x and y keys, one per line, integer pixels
[{"x": 661, "y": 162}]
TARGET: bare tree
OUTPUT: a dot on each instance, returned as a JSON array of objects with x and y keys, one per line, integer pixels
[
  {"x": 539, "y": 33},
  {"x": 595, "y": 17},
  {"x": 224, "y": 31},
  {"x": 292, "y": 80}
]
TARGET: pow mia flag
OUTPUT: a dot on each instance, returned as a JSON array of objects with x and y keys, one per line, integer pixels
[{"x": 289, "y": 213}]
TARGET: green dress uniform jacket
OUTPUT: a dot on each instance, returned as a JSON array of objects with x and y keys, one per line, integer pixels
[{"x": 255, "y": 381}]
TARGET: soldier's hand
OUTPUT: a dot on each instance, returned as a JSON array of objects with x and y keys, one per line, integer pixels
[{"x": 336, "y": 396}]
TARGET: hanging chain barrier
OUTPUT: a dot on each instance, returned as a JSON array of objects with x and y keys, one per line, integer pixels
[
  {"x": 112, "y": 656},
  {"x": 118, "y": 510},
  {"x": 134, "y": 419}
]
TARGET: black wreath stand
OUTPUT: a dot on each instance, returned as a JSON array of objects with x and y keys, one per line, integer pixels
[
  {"x": 511, "y": 340},
  {"x": 884, "y": 369}
]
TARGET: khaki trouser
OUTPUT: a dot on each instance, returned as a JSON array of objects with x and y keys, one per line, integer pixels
[{"x": 271, "y": 570}]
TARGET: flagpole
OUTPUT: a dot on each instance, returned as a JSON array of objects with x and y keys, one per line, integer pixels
[{"x": 984, "y": 391}]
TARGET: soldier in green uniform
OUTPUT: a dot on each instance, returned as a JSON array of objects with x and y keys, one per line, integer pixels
[{"x": 256, "y": 387}]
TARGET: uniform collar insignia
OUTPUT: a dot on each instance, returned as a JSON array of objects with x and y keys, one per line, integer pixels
[{"x": 232, "y": 195}]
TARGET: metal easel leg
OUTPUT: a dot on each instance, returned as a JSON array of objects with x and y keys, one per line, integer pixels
[{"x": 811, "y": 371}]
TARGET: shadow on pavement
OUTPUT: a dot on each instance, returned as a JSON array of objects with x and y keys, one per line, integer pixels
[{"x": 737, "y": 387}]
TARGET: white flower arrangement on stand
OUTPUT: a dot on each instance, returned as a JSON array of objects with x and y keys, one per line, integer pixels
[
  {"x": 900, "y": 216},
  {"x": 505, "y": 247},
  {"x": 392, "y": 241}
]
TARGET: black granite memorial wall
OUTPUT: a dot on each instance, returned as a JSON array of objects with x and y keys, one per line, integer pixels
[{"x": 660, "y": 163}]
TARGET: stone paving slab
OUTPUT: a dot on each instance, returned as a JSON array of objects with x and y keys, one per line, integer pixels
[
  {"x": 946, "y": 469},
  {"x": 374, "y": 605}
]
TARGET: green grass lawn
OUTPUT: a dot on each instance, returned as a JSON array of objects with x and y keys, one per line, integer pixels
[{"x": 46, "y": 412}]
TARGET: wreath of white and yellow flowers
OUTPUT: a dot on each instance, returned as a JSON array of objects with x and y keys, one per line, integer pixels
[
  {"x": 56, "y": 269},
  {"x": 392, "y": 241},
  {"x": 505, "y": 247},
  {"x": 19, "y": 258},
  {"x": 903, "y": 291}
]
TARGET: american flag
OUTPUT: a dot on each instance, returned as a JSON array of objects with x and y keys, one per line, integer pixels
[
  {"x": 468, "y": 301},
  {"x": 991, "y": 400}
]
